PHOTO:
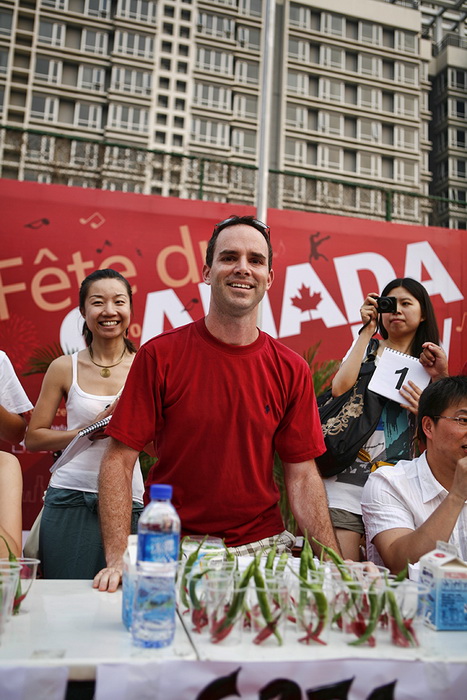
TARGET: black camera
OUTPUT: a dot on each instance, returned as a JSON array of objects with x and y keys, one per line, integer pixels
[{"x": 387, "y": 305}]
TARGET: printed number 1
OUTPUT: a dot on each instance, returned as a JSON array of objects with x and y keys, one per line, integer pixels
[{"x": 403, "y": 373}]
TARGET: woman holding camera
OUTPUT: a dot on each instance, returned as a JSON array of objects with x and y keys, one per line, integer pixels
[{"x": 405, "y": 328}]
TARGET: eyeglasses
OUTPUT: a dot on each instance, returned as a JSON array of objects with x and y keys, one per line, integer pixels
[
  {"x": 460, "y": 420},
  {"x": 256, "y": 223}
]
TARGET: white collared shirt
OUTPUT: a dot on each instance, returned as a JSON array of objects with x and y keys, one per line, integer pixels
[{"x": 404, "y": 496}]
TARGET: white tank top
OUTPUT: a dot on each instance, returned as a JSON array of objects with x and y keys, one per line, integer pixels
[{"x": 81, "y": 473}]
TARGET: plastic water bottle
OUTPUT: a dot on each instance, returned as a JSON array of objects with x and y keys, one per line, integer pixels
[
  {"x": 129, "y": 580},
  {"x": 153, "y": 623}
]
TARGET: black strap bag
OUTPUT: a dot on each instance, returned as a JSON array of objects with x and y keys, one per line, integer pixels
[{"x": 350, "y": 419}]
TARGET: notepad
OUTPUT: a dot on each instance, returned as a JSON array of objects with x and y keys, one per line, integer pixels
[
  {"x": 79, "y": 443},
  {"x": 395, "y": 369}
]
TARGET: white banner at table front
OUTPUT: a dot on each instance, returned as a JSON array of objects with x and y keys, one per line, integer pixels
[
  {"x": 339, "y": 679},
  {"x": 25, "y": 683}
]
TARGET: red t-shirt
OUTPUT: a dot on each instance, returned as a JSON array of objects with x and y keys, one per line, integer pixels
[{"x": 216, "y": 413}]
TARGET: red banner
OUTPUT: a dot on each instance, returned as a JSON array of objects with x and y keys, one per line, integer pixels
[{"x": 53, "y": 236}]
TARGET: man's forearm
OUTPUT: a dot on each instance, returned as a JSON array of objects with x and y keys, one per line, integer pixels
[
  {"x": 413, "y": 545},
  {"x": 115, "y": 500},
  {"x": 308, "y": 501}
]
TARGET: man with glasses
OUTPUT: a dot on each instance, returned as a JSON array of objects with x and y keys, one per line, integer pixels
[
  {"x": 217, "y": 397},
  {"x": 409, "y": 507}
]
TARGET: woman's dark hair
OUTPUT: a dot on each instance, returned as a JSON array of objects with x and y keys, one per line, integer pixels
[
  {"x": 106, "y": 274},
  {"x": 439, "y": 396},
  {"x": 427, "y": 330}
]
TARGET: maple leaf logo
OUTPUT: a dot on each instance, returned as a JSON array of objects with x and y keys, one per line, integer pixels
[{"x": 306, "y": 301}]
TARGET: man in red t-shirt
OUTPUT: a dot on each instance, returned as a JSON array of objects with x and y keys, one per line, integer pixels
[{"x": 216, "y": 398}]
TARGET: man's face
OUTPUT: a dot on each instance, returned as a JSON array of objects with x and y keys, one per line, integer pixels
[
  {"x": 239, "y": 275},
  {"x": 448, "y": 437}
]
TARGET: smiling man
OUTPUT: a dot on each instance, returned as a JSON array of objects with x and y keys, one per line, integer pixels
[
  {"x": 217, "y": 397},
  {"x": 409, "y": 507}
]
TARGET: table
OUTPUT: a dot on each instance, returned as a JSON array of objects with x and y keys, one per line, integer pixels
[{"x": 70, "y": 632}]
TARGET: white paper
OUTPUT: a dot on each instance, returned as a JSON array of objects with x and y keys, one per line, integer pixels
[{"x": 395, "y": 369}]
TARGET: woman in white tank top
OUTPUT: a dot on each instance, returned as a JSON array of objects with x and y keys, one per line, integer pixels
[{"x": 89, "y": 381}]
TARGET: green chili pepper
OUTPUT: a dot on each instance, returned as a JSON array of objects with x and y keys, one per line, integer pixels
[
  {"x": 223, "y": 627},
  {"x": 229, "y": 555},
  {"x": 282, "y": 563},
  {"x": 397, "y": 617},
  {"x": 373, "y": 599},
  {"x": 186, "y": 572},
  {"x": 263, "y": 603}
]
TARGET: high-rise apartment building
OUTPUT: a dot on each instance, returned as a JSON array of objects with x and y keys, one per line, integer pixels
[{"x": 158, "y": 96}]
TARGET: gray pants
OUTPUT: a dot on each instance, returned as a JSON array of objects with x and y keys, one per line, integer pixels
[{"x": 70, "y": 542}]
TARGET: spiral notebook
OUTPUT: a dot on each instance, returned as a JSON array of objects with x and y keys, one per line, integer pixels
[
  {"x": 79, "y": 443},
  {"x": 395, "y": 369}
]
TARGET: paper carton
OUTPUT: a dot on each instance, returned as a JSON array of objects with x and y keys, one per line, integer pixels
[{"x": 445, "y": 575}]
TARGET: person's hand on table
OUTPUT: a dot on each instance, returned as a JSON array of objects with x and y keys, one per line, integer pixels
[{"x": 108, "y": 579}]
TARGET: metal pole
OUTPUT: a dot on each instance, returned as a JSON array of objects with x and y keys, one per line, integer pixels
[
  {"x": 265, "y": 111},
  {"x": 264, "y": 118}
]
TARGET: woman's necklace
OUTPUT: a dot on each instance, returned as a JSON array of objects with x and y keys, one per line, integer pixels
[{"x": 105, "y": 369}]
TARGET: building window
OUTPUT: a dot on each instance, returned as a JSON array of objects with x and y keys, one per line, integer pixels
[
  {"x": 133, "y": 44},
  {"x": 182, "y": 67},
  {"x": 406, "y": 171},
  {"x": 332, "y": 57},
  {"x": 370, "y": 65},
  {"x": 215, "y": 25},
  {"x": 245, "y": 106},
  {"x": 370, "y": 33},
  {"x": 140, "y": 10},
  {"x": 129, "y": 118},
  {"x": 251, "y": 7},
  {"x": 330, "y": 123},
  {"x": 406, "y": 105},
  {"x": 212, "y": 96},
  {"x": 179, "y": 104},
  {"x": 368, "y": 164},
  {"x": 163, "y": 101},
  {"x": 459, "y": 108},
  {"x": 244, "y": 141},
  {"x": 332, "y": 90},
  {"x": 56, "y": 4},
  {"x": 125, "y": 159},
  {"x": 460, "y": 168},
  {"x": 333, "y": 24},
  {"x": 296, "y": 116},
  {"x": 297, "y": 83},
  {"x": 406, "y": 73},
  {"x": 368, "y": 130},
  {"x": 183, "y": 50},
  {"x": 84, "y": 154},
  {"x": 3, "y": 61},
  {"x": 249, "y": 38},
  {"x": 179, "y": 122},
  {"x": 51, "y": 33},
  {"x": 91, "y": 78},
  {"x": 370, "y": 98},
  {"x": 97, "y": 8},
  {"x": 330, "y": 157},
  {"x": 300, "y": 16},
  {"x": 406, "y": 138},
  {"x": 44, "y": 108},
  {"x": 406, "y": 41},
  {"x": 214, "y": 61},
  {"x": 40, "y": 148},
  {"x": 133, "y": 81},
  {"x": 94, "y": 42},
  {"x": 166, "y": 64},
  {"x": 247, "y": 72},
  {"x": 48, "y": 69},
  {"x": 88, "y": 115},
  {"x": 212, "y": 132},
  {"x": 180, "y": 86},
  {"x": 177, "y": 140},
  {"x": 6, "y": 23}
]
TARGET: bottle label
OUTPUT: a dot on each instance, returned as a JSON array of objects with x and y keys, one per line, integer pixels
[{"x": 158, "y": 546}]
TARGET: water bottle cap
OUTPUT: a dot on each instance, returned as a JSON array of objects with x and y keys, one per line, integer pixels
[{"x": 160, "y": 492}]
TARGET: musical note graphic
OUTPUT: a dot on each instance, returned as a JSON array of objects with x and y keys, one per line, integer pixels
[
  {"x": 138, "y": 252},
  {"x": 95, "y": 220},
  {"x": 314, "y": 245},
  {"x": 106, "y": 242},
  {"x": 190, "y": 304},
  {"x": 37, "y": 223},
  {"x": 460, "y": 328}
]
